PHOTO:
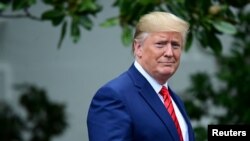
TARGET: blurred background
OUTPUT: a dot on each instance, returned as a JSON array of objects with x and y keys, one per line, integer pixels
[{"x": 54, "y": 55}]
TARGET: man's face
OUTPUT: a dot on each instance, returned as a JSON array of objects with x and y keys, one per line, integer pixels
[{"x": 160, "y": 54}]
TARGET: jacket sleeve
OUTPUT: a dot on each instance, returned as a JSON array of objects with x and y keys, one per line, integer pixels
[{"x": 108, "y": 118}]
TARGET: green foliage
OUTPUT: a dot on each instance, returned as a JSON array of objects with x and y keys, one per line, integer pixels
[
  {"x": 20, "y": 4},
  {"x": 224, "y": 27},
  {"x": 44, "y": 118},
  {"x": 11, "y": 124},
  {"x": 207, "y": 19},
  {"x": 201, "y": 133},
  {"x": 233, "y": 71},
  {"x": 110, "y": 22},
  {"x": 126, "y": 35},
  {"x": 233, "y": 80},
  {"x": 77, "y": 13}
]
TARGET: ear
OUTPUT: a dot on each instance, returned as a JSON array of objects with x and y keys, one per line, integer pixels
[{"x": 137, "y": 49}]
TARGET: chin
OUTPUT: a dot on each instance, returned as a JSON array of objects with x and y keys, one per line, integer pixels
[
  {"x": 168, "y": 73},
  {"x": 168, "y": 70}
]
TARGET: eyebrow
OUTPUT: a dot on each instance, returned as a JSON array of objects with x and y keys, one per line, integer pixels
[
  {"x": 176, "y": 42},
  {"x": 166, "y": 41}
]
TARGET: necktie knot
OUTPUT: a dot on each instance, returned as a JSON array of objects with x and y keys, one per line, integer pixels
[{"x": 164, "y": 92}]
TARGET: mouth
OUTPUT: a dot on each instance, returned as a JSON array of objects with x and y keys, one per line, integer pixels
[{"x": 167, "y": 63}]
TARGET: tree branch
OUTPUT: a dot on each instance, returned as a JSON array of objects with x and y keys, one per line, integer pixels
[{"x": 26, "y": 14}]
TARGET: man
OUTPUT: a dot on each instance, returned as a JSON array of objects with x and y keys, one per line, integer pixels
[{"x": 135, "y": 105}]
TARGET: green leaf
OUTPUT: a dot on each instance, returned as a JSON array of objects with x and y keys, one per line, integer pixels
[
  {"x": 202, "y": 38},
  {"x": 224, "y": 27},
  {"x": 63, "y": 32},
  {"x": 189, "y": 41},
  {"x": 126, "y": 35},
  {"x": 145, "y": 2},
  {"x": 3, "y": 6},
  {"x": 51, "y": 14},
  {"x": 75, "y": 31},
  {"x": 86, "y": 22},
  {"x": 110, "y": 22},
  {"x": 88, "y": 5},
  {"x": 18, "y": 4},
  {"x": 21, "y": 4},
  {"x": 57, "y": 20},
  {"x": 215, "y": 45}
]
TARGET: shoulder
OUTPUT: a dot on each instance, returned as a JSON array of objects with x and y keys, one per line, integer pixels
[
  {"x": 124, "y": 85},
  {"x": 122, "y": 81}
]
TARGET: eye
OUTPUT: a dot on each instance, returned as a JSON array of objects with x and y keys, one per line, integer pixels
[
  {"x": 175, "y": 45},
  {"x": 160, "y": 44}
]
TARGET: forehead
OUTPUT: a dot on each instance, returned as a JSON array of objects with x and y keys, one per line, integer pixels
[{"x": 176, "y": 36}]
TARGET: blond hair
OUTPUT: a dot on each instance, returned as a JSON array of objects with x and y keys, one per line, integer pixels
[{"x": 160, "y": 22}]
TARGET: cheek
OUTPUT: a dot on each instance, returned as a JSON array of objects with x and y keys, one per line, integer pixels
[
  {"x": 154, "y": 57},
  {"x": 177, "y": 56},
  {"x": 151, "y": 55},
  {"x": 147, "y": 54}
]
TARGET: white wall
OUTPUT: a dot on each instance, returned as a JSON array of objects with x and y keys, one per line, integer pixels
[{"x": 73, "y": 73}]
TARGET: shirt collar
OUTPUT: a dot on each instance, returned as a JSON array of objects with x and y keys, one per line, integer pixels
[{"x": 156, "y": 86}]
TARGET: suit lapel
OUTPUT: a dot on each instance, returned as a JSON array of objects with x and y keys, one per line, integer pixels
[{"x": 149, "y": 95}]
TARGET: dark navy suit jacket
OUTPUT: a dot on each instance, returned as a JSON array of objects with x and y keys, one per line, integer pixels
[{"x": 128, "y": 109}]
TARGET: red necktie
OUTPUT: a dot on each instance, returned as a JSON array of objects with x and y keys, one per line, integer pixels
[{"x": 168, "y": 104}]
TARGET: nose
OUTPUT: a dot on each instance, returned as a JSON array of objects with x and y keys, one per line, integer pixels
[{"x": 168, "y": 52}]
